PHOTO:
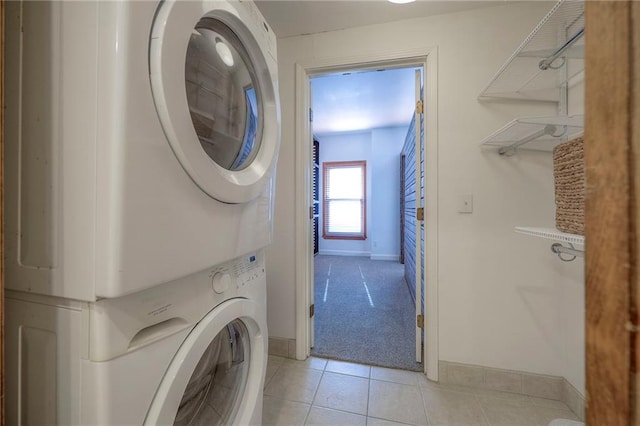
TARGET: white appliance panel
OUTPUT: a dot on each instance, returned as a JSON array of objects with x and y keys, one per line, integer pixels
[
  {"x": 98, "y": 204},
  {"x": 125, "y": 360}
]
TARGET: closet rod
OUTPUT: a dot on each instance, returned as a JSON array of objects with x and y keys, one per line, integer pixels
[
  {"x": 549, "y": 129},
  {"x": 545, "y": 64},
  {"x": 558, "y": 248}
]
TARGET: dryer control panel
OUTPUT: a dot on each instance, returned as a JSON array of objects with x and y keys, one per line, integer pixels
[
  {"x": 124, "y": 324},
  {"x": 241, "y": 272}
]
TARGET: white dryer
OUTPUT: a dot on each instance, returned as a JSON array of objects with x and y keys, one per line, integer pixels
[
  {"x": 141, "y": 142},
  {"x": 190, "y": 352}
]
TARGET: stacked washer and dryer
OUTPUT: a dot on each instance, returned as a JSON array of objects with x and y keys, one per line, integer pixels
[{"x": 140, "y": 152}]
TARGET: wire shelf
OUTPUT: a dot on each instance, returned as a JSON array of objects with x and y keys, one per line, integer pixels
[
  {"x": 535, "y": 133},
  {"x": 551, "y": 234},
  {"x": 521, "y": 77}
]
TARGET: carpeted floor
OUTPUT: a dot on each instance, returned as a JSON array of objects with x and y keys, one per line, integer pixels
[{"x": 364, "y": 312}]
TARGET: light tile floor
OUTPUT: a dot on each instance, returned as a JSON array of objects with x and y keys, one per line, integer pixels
[{"x": 327, "y": 392}]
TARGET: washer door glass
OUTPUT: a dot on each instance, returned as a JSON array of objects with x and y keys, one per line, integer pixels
[
  {"x": 223, "y": 94},
  {"x": 217, "y": 384}
]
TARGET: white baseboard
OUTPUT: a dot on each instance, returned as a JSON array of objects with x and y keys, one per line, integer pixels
[
  {"x": 344, "y": 253},
  {"x": 389, "y": 257},
  {"x": 282, "y": 347},
  {"x": 536, "y": 385}
]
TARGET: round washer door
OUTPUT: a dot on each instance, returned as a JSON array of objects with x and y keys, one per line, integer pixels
[
  {"x": 216, "y": 376},
  {"x": 215, "y": 97}
]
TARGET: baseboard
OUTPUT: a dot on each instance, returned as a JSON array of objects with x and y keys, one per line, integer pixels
[
  {"x": 344, "y": 253},
  {"x": 574, "y": 399},
  {"x": 283, "y": 347},
  {"x": 388, "y": 257},
  {"x": 536, "y": 385}
]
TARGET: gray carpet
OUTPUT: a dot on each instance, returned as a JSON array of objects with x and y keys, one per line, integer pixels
[{"x": 363, "y": 312}]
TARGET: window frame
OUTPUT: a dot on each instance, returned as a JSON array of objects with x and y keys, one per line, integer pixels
[{"x": 326, "y": 166}]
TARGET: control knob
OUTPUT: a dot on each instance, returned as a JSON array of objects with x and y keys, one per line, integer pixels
[{"x": 220, "y": 282}]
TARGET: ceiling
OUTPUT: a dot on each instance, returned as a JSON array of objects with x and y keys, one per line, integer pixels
[
  {"x": 297, "y": 17},
  {"x": 361, "y": 100}
]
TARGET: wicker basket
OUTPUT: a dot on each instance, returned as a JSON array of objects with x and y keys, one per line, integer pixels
[{"x": 568, "y": 172}]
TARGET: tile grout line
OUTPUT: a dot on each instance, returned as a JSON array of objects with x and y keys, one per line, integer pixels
[
  {"x": 368, "y": 396},
  {"x": 482, "y": 410},
  {"x": 532, "y": 411},
  {"x": 366, "y": 415},
  {"x": 311, "y": 405},
  {"x": 266, "y": 382},
  {"x": 477, "y": 399},
  {"x": 424, "y": 404}
]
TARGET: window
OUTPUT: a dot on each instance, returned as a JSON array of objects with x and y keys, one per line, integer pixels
[{"x": 343, "y": 200}]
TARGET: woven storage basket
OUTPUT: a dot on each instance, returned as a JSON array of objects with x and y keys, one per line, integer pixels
[{"x": 568, "y": 172}]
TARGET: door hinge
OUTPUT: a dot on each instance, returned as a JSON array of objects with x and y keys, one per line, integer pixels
[
  {"x": 310, "y": 115},
  {"x": 420, "y": 321},
  {"x": 310, "y": 212},
  {"x": 419, "y": 107},
  {"x": 312, "y": 310},
  {"x": 420, "y": 213}
]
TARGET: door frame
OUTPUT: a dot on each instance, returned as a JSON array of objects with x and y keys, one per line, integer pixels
[
  {"x": 426, "y": 57},
  {"x": 612, "y": 213},
  {"x": 2, "y": 107}
]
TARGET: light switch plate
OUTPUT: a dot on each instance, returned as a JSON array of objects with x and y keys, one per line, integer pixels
[{"x": 465, "y": 203}]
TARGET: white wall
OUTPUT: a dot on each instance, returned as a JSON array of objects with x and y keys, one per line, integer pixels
[
  {"x": 505, "y": 300},
  {"x": 384, "y": 229},
  {"x": 380, "y": 148}
]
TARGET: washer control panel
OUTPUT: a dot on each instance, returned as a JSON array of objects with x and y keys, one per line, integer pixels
[
  {"x": 238, "y": 273},
  {"x": 220, "y": 282}
]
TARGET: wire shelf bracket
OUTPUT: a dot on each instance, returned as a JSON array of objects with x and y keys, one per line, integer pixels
[
  {"x": 558, "y": 248},
  {"x": 550, "y": 57},
  {"x": 535, "y": 133}
]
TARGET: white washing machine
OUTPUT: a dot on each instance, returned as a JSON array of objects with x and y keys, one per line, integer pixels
[
  {"x": 190, "y": 352},
  {"x": 141, "y": 141}
]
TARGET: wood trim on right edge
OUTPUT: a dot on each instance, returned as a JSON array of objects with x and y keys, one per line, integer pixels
[
  {"x": 634, "y": 105},
  {"x": 613, "y": 191},
  {"x": 2, "y": 106}
]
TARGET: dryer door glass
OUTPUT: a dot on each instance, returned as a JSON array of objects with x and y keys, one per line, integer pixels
[
  {"x": 217, "y": 384},
  {"x": 223, "y": 94}
]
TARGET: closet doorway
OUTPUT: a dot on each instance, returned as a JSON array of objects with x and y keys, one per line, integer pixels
[{"x": 364, "y": 298}]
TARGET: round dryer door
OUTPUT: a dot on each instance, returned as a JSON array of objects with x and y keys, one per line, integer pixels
[
  {"x": 217, "y": 373},
  {"x": 214, "y": 92}
]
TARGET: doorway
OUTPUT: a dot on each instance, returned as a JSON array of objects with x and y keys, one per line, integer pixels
[
  {"x": 364, "y": 307},
  {"x": 425, "y": 58}
]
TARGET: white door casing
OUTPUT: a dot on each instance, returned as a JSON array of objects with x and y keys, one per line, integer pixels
[
  {"x": 419, "y": 158},
  {"x": 427, "y": 59},
  {"x": 311, "y": 302}
]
